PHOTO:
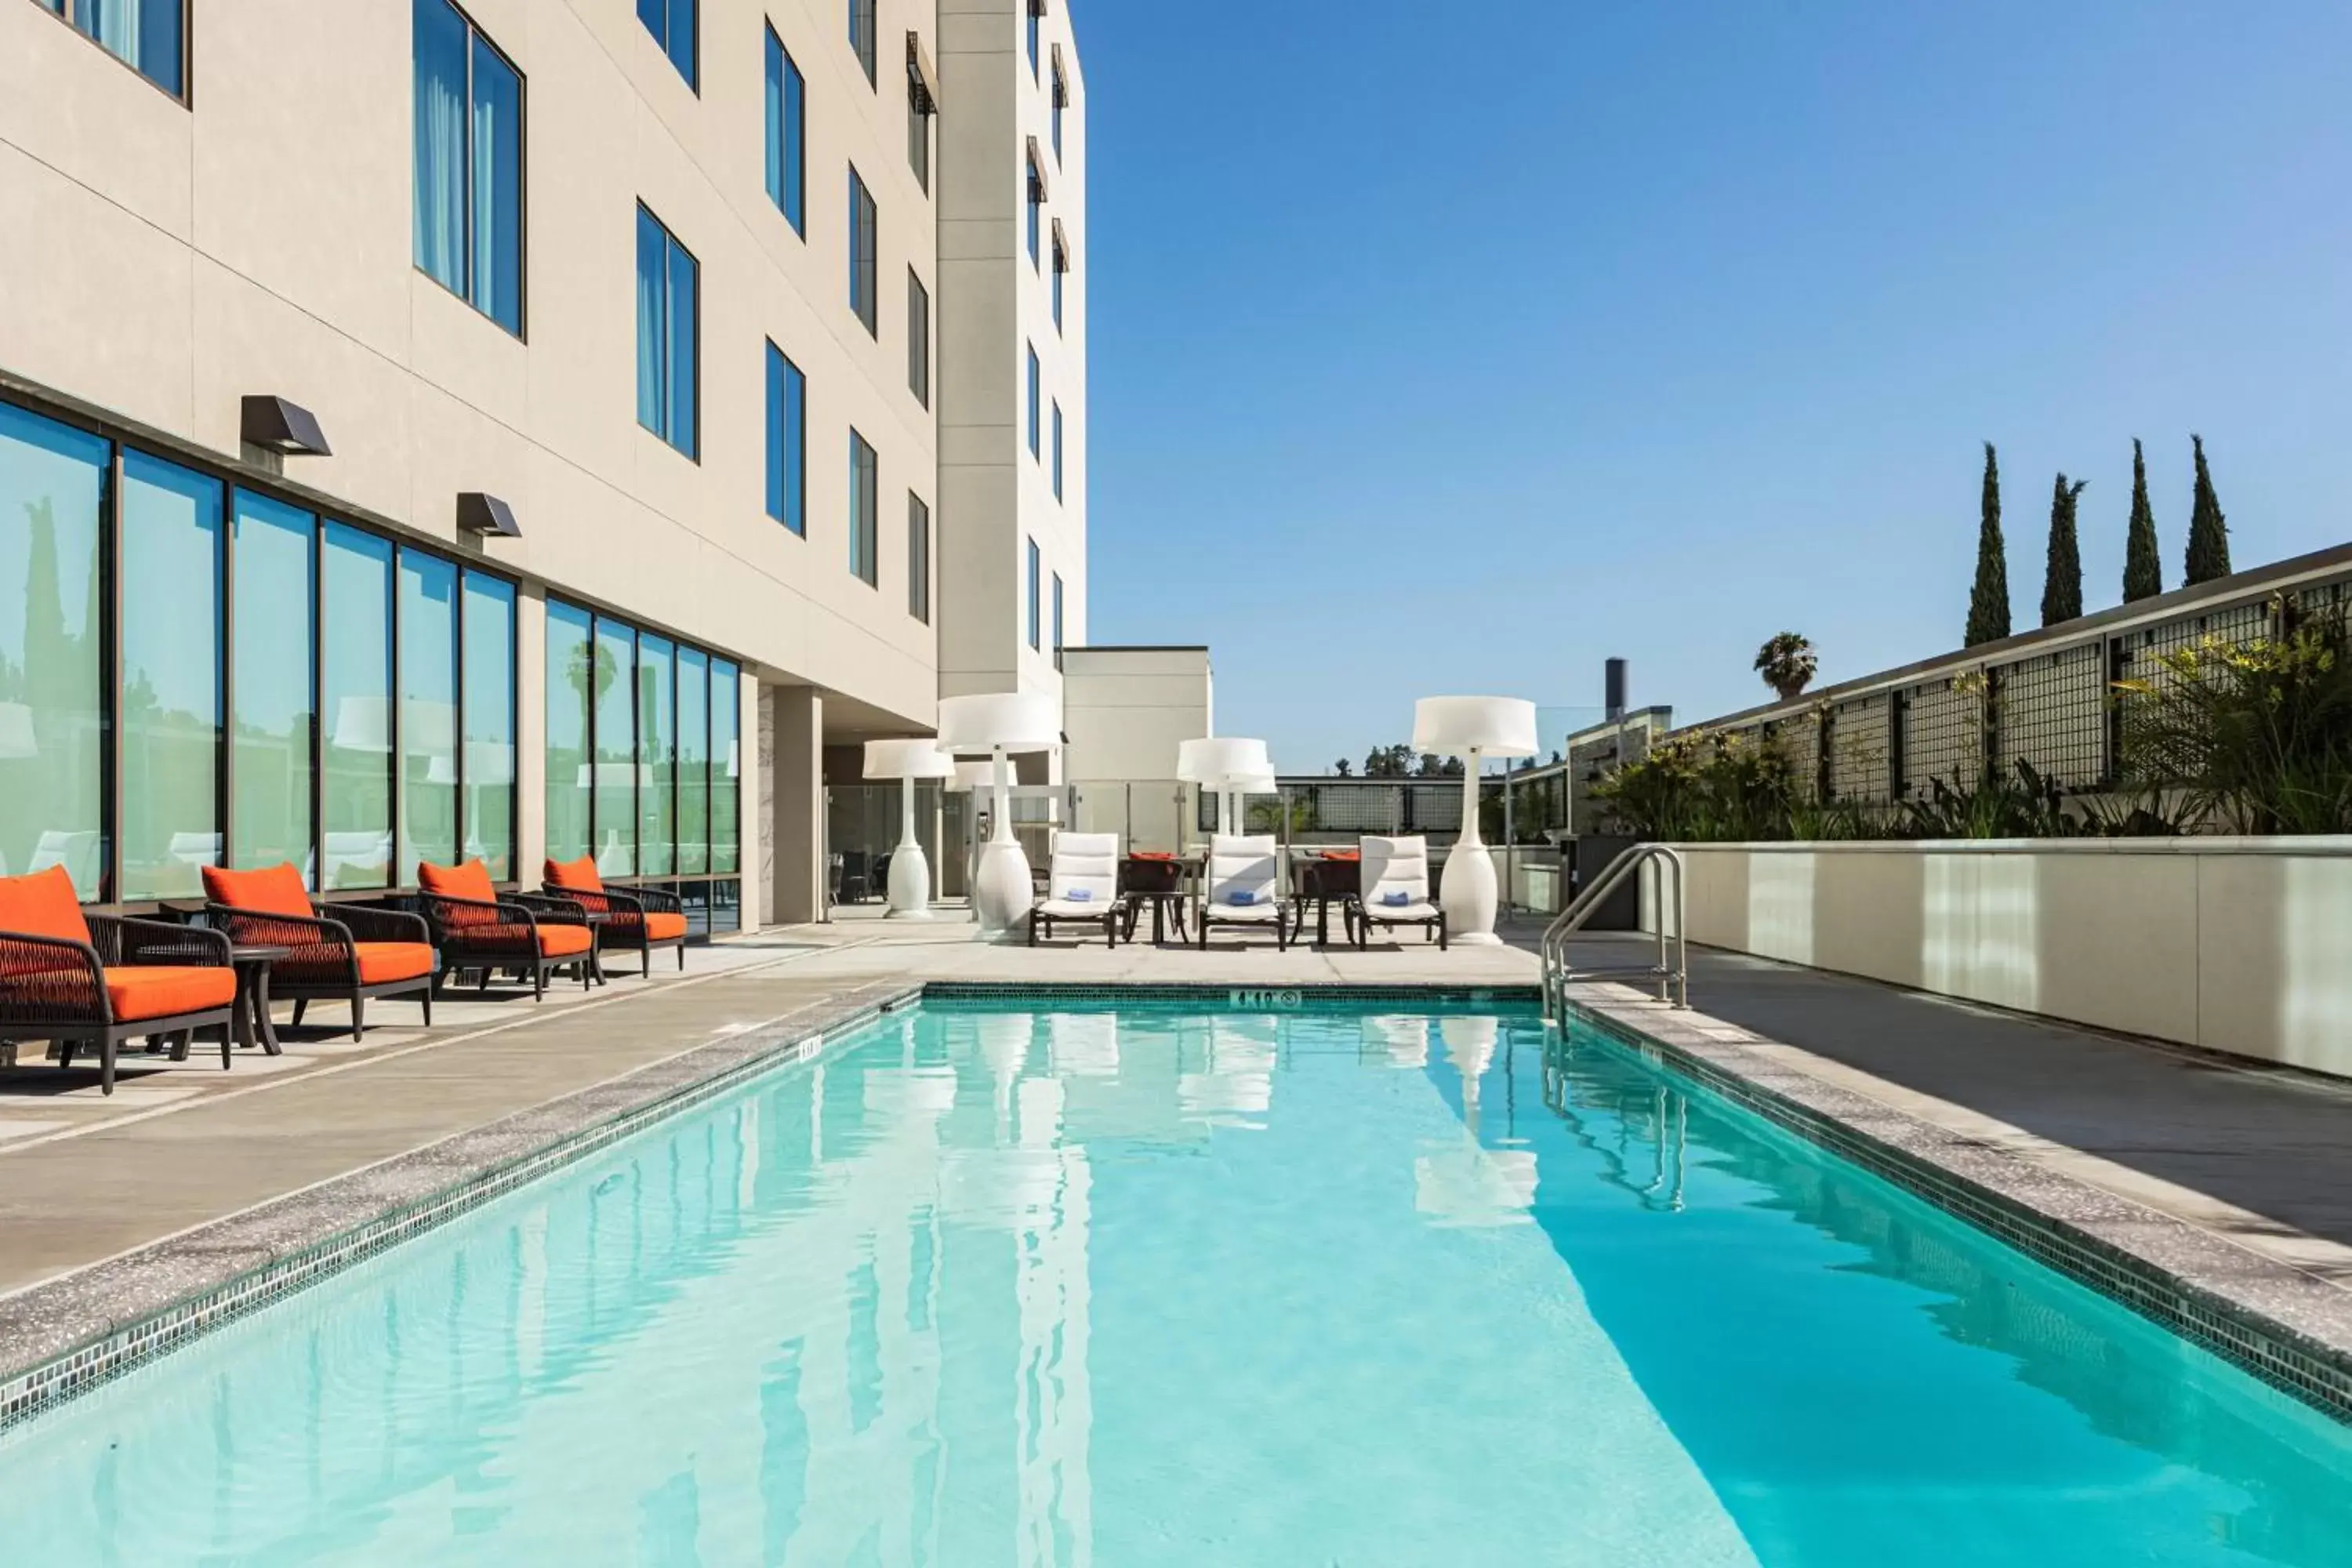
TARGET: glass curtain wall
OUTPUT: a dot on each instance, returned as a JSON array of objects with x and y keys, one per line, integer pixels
[
  {"x": 693, "y": 761},
  {"x": 253, "y": 718},
  {"x": 656, "y": 755},
  {"x": 53, "y": 495},
  {"x": 170, "y": 706},
  {"x": 273, "y": 553},
  {"x": 726, "y": 718},
  {"x": 616, "y": 792}
]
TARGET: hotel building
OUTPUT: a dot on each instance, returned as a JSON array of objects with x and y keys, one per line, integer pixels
[{"x": 520, "y": 429}]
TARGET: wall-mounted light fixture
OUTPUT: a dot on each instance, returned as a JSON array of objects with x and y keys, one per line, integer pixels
[
  {"x": 487, "y": 515},
  {"x": 288, "y": 429}
]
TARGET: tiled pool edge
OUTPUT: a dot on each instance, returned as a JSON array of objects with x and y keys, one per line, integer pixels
[
  {"x": 2289, "y": 1329},
  {"x": 61, "y": 1338}
]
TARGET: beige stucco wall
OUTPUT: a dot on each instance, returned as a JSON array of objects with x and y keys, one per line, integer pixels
[
  {"x": 1126, "y": 710},
  {"x": 2237, "y": 945},
  {"x": 160, "y": 259}
]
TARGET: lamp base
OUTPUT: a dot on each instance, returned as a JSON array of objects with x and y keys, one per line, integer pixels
[
  {"x": 1467, "y": 892},
  {"x": 911, "y": 884},
  {"x": 1001, "y": 887}
]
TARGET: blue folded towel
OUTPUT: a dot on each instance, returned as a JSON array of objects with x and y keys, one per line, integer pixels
[
  {"x": 1079, "y": 895},
  {"x": 1396, "y": 898},
  {"x": 1242, "y": 896}
]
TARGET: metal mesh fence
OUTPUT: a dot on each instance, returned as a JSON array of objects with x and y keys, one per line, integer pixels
[
  {"x": 1943, "y": 733},
  {"x": 1860, "y": 767},
  {"x": 2053, "y": 716}
]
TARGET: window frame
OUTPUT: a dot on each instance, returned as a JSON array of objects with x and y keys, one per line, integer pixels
[
  {"x": 787, "y": 439},
  {"x": 69, "y": 12},
  {"x": 692, "y": 71},
  {"x": 1036, "y": 412},
  {"x": 918, "y": 558},
  {"x": 864, "y": 509},
  {"x": 520, "y": 331},
  {"x": 865, "y": 254},
  {"x": 787, "y": 142},
  {"x": 864, "y": 17},
  {"x": 918, "y": 339},
  {"x": 1036, "y": 582},
  {"x": 674, "y": 247},
  {"x": 1057, "y": 449},
  {"x": 1057, "y": 620}
]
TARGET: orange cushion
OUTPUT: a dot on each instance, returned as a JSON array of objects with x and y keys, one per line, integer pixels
[
  {"x": 663, "y": 926},
  {"x": 382, "y": 961},
  {"x": 562, "y": 941},
  {"x": 469, "y": 881},
  {"x": 166, "y": 990},
  {"x": 573, "y": 875},
  {"x": 272, "y": 890},
  {"x": 43, "y": 904}
]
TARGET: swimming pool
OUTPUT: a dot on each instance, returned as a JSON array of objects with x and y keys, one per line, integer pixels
[{"x": 1165, "y": 1285}]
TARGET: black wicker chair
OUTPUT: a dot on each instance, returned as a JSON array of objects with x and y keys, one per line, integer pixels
[
  {"x": 335, "y": 952},
  {"x": 529, "y": 938}
]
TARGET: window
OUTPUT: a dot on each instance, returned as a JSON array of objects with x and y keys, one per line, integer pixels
[
  {"x": 672, "y": 23},
  {"x": 427, "y": 829},
  {"x": 657, "y": 754},
  {"x": 1061, "y": 265},
  {"x": 271, "y": 546},
  {"x": 666, "y": 332},
  {"x": 726, "y": 719},
  {"x": 1057, "y": 449},
  {"x": 1035, "y": 394},
  {"x": 787, "y": 442},
  {"x": 613, "y": 779},
  {"x": 170, "y": 628},
  {"x": 863, "y": 515},
  {"x": 920, "y": 107},
  {"x": 355, "y": 697},
  {"x": 571, "y": 675},
  {"x": 485, "y": 657},
  {"x": 693, "y": 761},
  {"x": 862, "y": 247},
  {"x": 918, "y": 558},
  {"x": 1061, "y": 101},
  {"x": 1034, "y": 567},
  {"x": 862, "y": 38},
  {"x": 787, "y": 136},
  {"x": 1057, "y": 620},
  {"x": 469, "y": 210},
  {"x": 1036, "y": 13},
  {"x": 148, "y": 36},
  {"x": 1037, "y": 209},
  {"x": 918, "y": 339}
]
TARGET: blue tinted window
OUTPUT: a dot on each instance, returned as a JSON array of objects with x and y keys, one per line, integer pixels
[
  {"x": 787, "y": 135},
  {"x": 787, "y": 442},
  {"x": 1032, "y": 39},
  {"x": 1061, "y": 264},
  {"x": 1037, "y": 380},
  {"x": 667, "y": 283},
  {"x": 672, "y": 23},
  {"x": 864, "y": 483},
  {"x": 1061, "y": 101},
  {"x": 147, "y": 35},
  {"x": 469, "y": 125},
  {"x": 1057, "y": 620},
  {"x": 862, "y": 38},
  {"x": 1036, "y": 211},
  {"x": 862, "y": 247},
  {"x": 1057, "y": 452},
  {"x": 1035, "y": 563}
]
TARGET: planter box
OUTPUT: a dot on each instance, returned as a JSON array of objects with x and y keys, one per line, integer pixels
[{"x": 2241, "y": 946}]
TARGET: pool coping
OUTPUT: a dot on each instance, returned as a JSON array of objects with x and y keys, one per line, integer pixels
[{"x": 2288, "y": 1328}]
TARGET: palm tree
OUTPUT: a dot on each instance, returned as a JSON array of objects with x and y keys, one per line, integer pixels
[{"x": 1787, "y": 663}]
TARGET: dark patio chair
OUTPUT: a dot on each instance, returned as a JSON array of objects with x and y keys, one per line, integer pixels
[
  {"x": 637, "y": 920},
  {"x": 335, "y": 952},
  {"x": 476, "y": 929},
  {"x": 98, "y": 980}
]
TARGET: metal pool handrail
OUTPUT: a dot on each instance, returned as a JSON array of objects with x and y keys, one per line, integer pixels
[{"x": 1673, "y": 979}]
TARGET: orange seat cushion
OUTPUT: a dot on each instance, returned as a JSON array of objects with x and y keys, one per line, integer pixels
[
  {"x": 661, "y": 924},
  {"x": 573, "y": 875},
  {"x": 271, "y": 890},
  {"x": 382, "y": 961},
  {"x": 562, "y": 941},
  {"x": 43, "y": 904},
  {"x": 166, "y": 990},
  {"x": 471, "y": 879}
]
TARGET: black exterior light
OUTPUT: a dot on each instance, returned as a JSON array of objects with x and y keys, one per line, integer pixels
[
  {"x": 286, "y": 428},
  {"x": 487, "y": 515}
]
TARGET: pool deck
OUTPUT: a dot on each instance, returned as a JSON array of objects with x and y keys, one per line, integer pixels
[{"x": 213, "y": 1173}]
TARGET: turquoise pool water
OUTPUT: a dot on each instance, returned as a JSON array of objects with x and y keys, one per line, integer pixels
[{"x": 1162, "y": 1287}]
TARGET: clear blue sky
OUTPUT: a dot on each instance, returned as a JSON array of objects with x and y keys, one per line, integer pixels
[{"x": 1431, "y": 359}]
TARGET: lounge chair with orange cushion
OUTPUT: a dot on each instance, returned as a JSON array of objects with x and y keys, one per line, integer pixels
[
  {"x": 637, "y": 920},
  {"x": 335, "y": 952},
  {"x": 476, "y": 929},
  {"x": 97, "y": 980}
]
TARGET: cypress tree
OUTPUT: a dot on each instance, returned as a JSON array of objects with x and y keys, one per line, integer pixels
[
  {"x": 1988, "y": 600},
  {"x": 2062, "y": 581},
  {"x": 2143, "y": 565},
  {"x": 2208, "y": 532}
]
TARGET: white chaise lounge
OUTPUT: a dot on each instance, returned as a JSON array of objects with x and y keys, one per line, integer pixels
[
  {"x": 1239, "y": 887},
  {"x": 1081, "y": 886},
  {"x": 1395, "y": 891}
]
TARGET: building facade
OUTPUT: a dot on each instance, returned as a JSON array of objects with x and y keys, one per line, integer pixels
[
  {"x": 1012, "y": 432},
  {"x": 507, "y": 429}
]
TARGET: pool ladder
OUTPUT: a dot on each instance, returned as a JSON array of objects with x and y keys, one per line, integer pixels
[{"x": 1671, "y": 979}]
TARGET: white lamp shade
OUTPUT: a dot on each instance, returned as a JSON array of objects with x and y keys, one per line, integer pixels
[
  {"x": 1016, "y": 721},
  {"x": 1454, "y": 726},
  {"x": 362, "y": 724},
  {"x": 915, "y": 759},
  {"x": 487, "y": 763},
  {"x": 1250, "y": 783},
  {"x": 1218, "y": 761}
]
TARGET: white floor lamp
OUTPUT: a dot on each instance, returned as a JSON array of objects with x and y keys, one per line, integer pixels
[
  {"x": 911, "y": 873},
  {"x": 1227, "y": 764},
  {"x": 1472, "y": 728},
  {"x": 995, "y": 724}
]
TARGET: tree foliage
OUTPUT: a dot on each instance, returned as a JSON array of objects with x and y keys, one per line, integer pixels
[
  {"x": 2142, "y": 564},
  {"x": 1988, "y": 599},
  {"x": 2209, "y": 530},
  {"x": 2061, "y": 580},
  {"x": 1788, "y": 664}
]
